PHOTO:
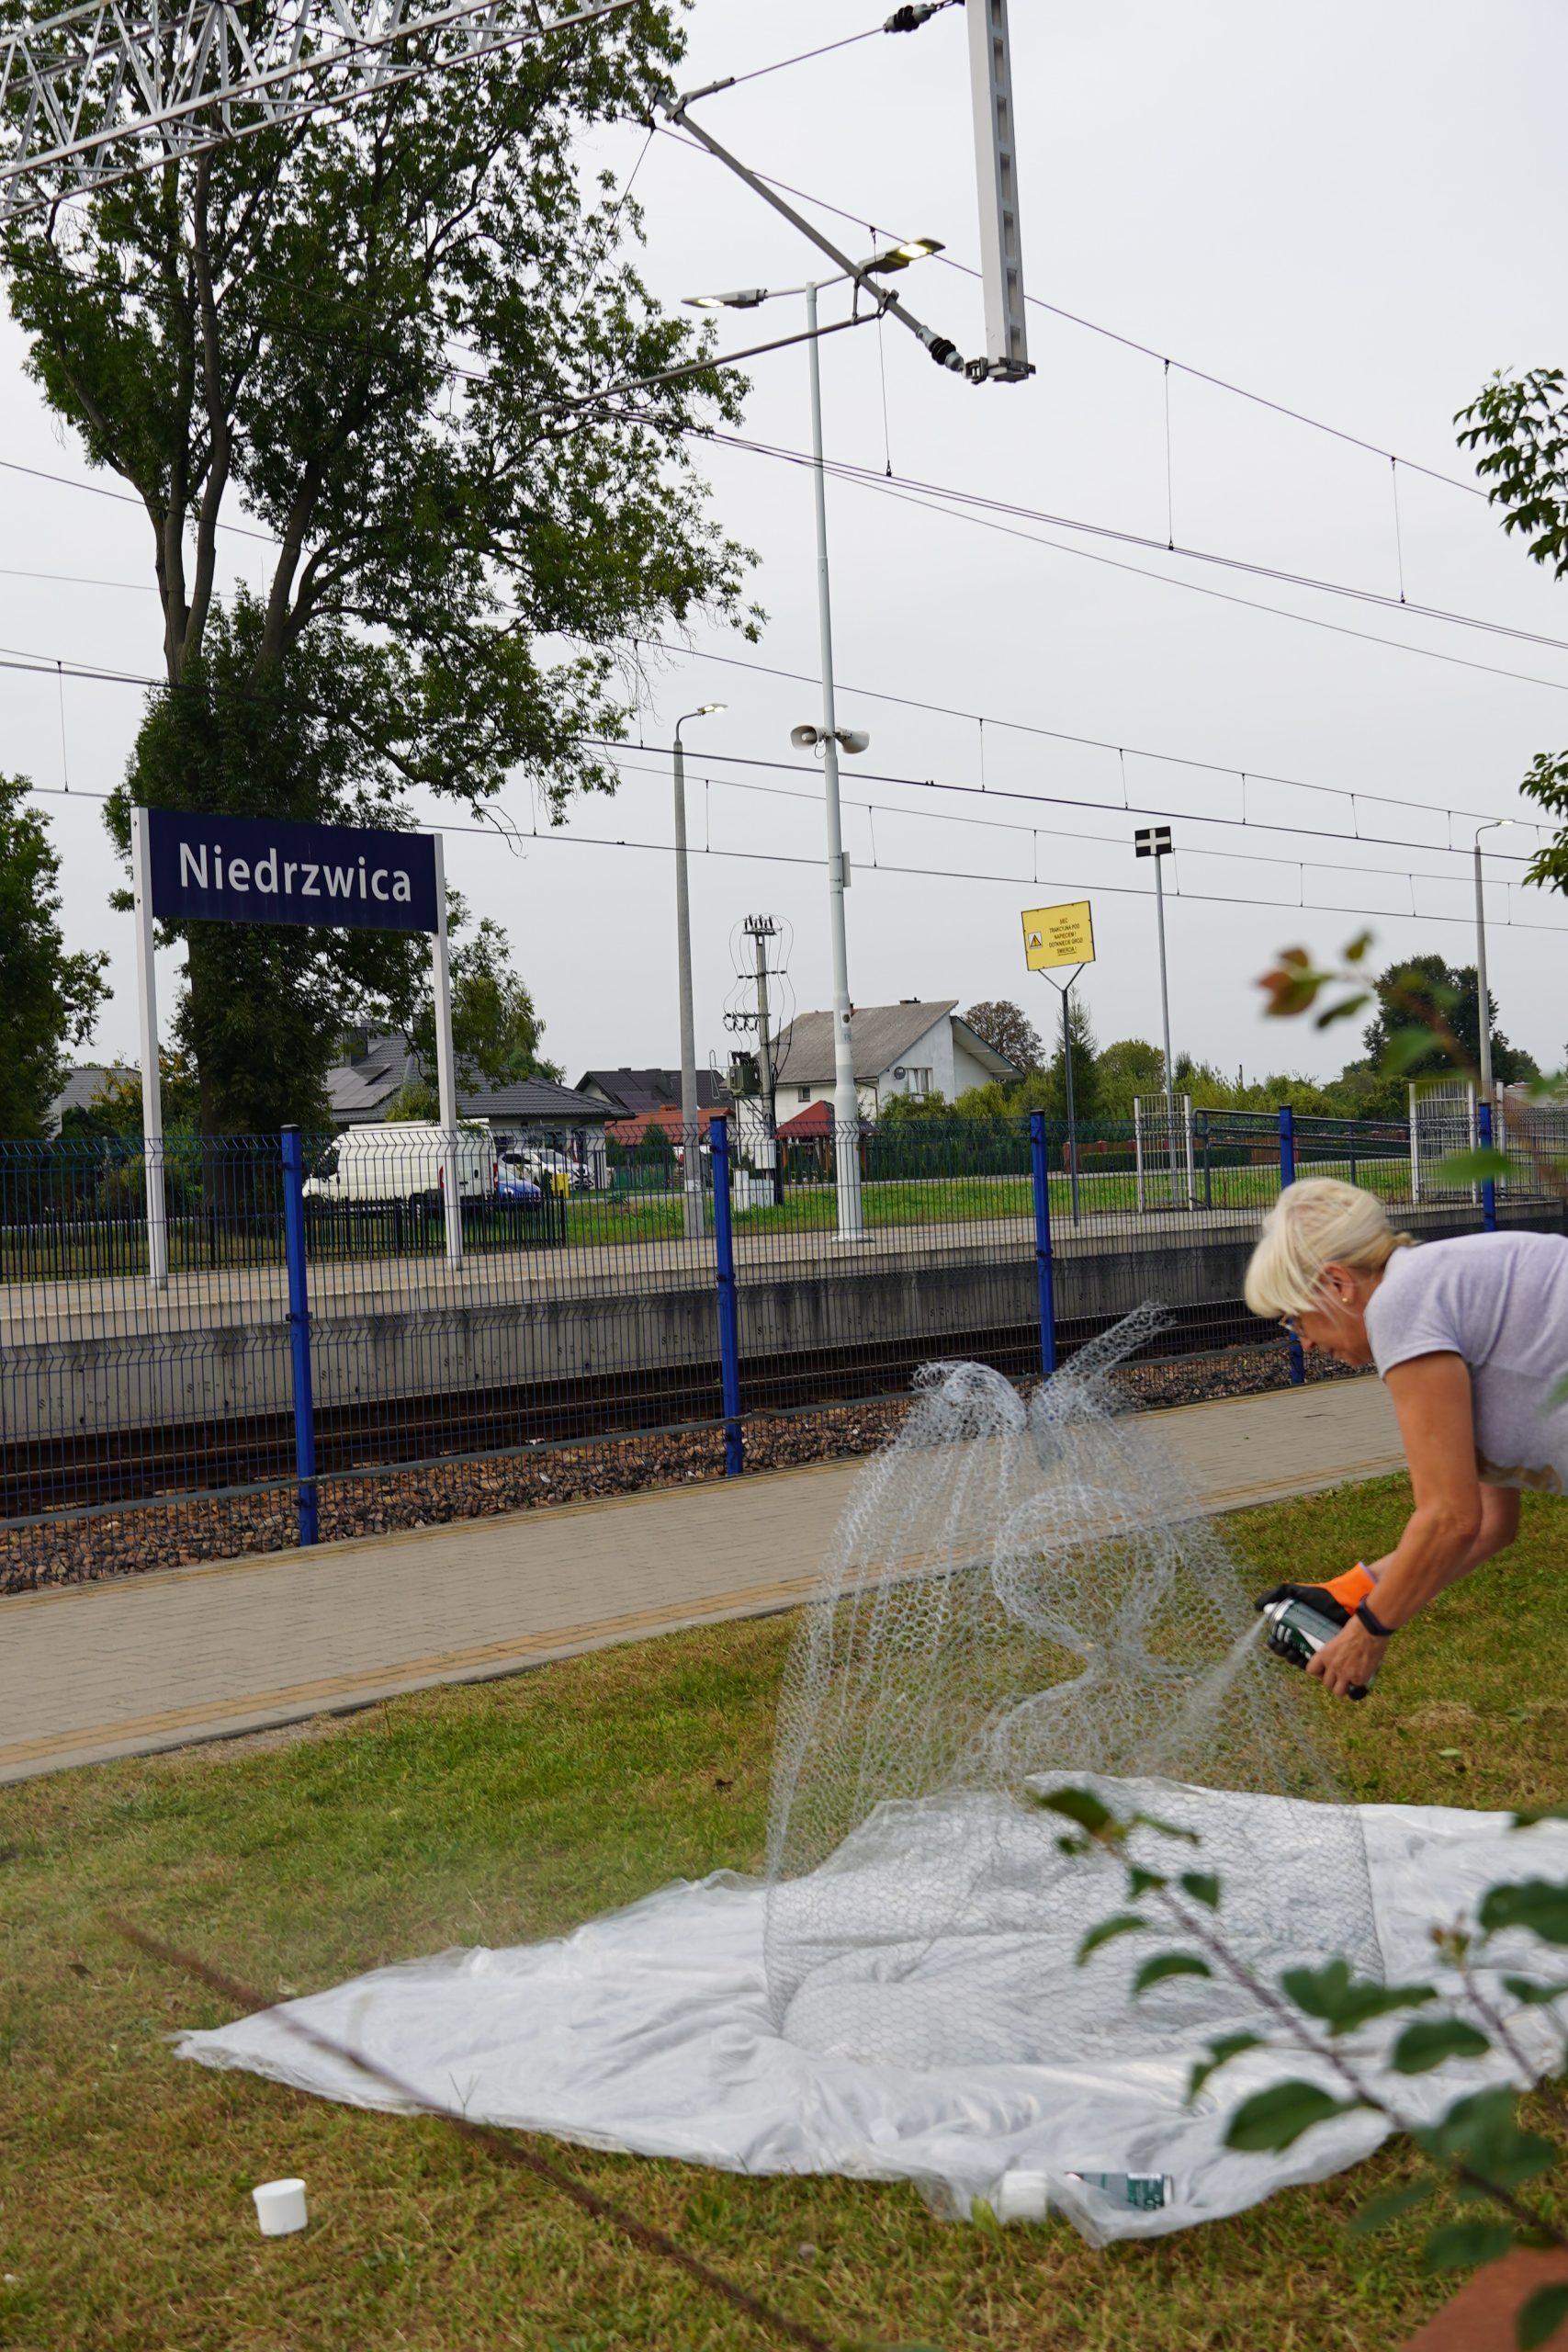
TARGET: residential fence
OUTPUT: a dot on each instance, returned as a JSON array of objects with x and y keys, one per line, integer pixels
[{"x": 355, "y": 1338}]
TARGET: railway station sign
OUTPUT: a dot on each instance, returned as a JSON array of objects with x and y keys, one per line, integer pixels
[
  {"x": 1056, "y": 935},
  {"x": 253, "y": 869}
]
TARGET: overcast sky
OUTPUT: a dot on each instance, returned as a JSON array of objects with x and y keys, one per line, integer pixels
[{"x": 1356, "y": 213}]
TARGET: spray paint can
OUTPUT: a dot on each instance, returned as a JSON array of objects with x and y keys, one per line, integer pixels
[
  {"x": 1297, "y": 1632},
  {"x": 1140, "y": 2192}
]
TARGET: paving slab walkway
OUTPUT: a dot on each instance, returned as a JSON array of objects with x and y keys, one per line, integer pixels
[{"x": 135, "y": 1664}]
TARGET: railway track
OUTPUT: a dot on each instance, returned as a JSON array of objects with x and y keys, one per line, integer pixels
[{"x": 99, "y": 1467}]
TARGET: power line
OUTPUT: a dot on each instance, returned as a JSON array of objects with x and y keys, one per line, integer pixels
[
  {"x": 1112, "y": 840},
  {"x": 1146, "y": 350},
  {"x": 121, "y": 498},
  {"x": 936, "y": 497},
  {"x": 1047, "y": 801},
  {"x": 1099, "y": 743},
  {"x": 48, "y": 665},
  {"x": 1022, "y": 882},
  {"x": 1300, "y": 904},
  {"x": 943, "y": 498}
]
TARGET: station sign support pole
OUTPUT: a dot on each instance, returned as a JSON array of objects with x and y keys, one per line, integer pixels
[{"x": 152, "y": 1086}]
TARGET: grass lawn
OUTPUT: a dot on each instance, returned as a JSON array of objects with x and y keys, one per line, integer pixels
[{"x": 513, "y": 1810}]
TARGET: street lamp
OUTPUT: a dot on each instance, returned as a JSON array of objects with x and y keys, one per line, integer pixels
[
  {"x": 1153, "y": 841},
  {"x": 1483, "y": 998},
  {"x": 691, "y": 1156},
  {"x": 846, "y": 1098}
]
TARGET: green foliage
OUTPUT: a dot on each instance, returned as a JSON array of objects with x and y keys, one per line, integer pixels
[
  {"x": 1521, "y": 428},
  {"x": 1541, "y": 1904},
  {"x": 1129, "y": 1067},
  {"x": 495, "y": 1027},
  {"x": 1482, "y": 2134},
  {"x": 1540, "y": 2317},
  {"x": 48, "y": 1000},
  {"x": 116, "y": 1108},
  {"x": 1464, "y": 2245},
  {"x": 1166, "y": 1964},
  {"x": 1432, "y": 2041},
  {"x": 1221, "y": 2052},
  {"x": 1121, "y": 1923},
  {"x": 1344, "y": 2001},
  {"x": 466, "y": 549},
  {"x": 1546, "y": 781},
  {"x": 1275, "y": 2118},
  {"x": 1427, "y": 1024},
  {"x": 1077, "y": 1804},
  {"x": 1086, "y": 1069},
  {"x": 1391, "y": 2206},
  {"x": 1479, "y": 2151},
  {"x": 1008, "y": 1031}
]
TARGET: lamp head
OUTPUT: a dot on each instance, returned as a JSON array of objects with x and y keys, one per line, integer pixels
[
  {"x": 900, "y": 257},
  {"x": 706, "y": 709},
  {"x": 740, "y": 297}
]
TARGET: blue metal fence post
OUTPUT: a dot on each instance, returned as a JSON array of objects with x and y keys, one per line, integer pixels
[
  {"x": 1288, "y": 1176},
  {"x": 728, "y": 1329},
  {"x": 1040, "y": 1162},
  {"x": 1488, "y": 1185},
  {"x": 300, "y": 1335}
]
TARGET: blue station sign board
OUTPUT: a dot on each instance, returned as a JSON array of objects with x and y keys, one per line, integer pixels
[{"x": 256, "y": 869}]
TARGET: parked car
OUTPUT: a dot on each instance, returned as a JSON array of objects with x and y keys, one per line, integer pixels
[
  {"x": 550, "y": 1168},
  {"x": 403, "y": 1159},
  {"x": 514, "y": 1181}
]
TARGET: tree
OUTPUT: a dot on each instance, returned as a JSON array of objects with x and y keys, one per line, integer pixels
[
  {"x": 388, "y": 336},
  {"x": 1086, "y": 1075},
  {"x": 48, "y": 1000},
  {"x": 1008, "y": 1031},
  {"x": 495, "y": 1028},
  {"x": 1522, "y": 427},
  {"x": 1424, "y": 990},
  {"x": 1130, "y": 1066},
  {"x": 116, "y": 1108}
]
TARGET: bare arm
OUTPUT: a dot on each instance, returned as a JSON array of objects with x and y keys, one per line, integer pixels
[{"x": 1437, "y": 1420}]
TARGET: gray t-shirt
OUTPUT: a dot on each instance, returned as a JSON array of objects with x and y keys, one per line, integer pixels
[{"x": 1500, "y": 1300}]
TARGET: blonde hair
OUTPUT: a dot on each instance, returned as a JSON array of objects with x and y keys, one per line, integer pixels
[{"x": 1317, "y": 1223}]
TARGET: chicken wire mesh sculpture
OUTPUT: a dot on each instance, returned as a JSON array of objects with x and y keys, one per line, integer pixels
[{"x": 1018, "y": 1597}]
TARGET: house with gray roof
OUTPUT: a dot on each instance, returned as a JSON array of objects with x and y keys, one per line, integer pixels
[
  {"x": 535, "y": 1112},
  {"x": 638, "y": 1093},
  {"x": 909, "y": 1048},
  {"x": 81, "y": 1090}
]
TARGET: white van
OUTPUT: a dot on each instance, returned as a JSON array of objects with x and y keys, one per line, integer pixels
[{"x": 403, "y": 1159}]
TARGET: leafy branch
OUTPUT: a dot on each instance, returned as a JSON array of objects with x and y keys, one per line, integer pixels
[
  {"x": 1479, "y": 2152},
  {"x": 1295, "y": 986}
]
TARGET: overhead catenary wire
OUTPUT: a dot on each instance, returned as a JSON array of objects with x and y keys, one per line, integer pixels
[
  {"x": 941, "y": 498},
  {"x": 1301, "y": 903},
  {"x": 1131, "y": 342},
  {"x": 1123, "y": 751},
  {"x": 873, "y": 809},
  {"x": 937, "y": 496},
  {"x": 859, "y": 478},
  {"x": 46, "y": 665}
]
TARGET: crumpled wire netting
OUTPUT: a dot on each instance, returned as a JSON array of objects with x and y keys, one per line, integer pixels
[{"x": 1020, "y": 1596}]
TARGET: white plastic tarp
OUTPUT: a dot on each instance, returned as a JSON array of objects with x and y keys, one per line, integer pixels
[{"x": 649, "y": 2031}]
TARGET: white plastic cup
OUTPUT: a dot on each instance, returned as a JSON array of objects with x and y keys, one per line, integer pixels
[
  {"x": 280, "y": 2207},
  {"x": 1021, "y": 2196}
]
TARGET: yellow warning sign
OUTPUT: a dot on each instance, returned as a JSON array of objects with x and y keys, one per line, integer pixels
[{"x": 1053, "y": 935}]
